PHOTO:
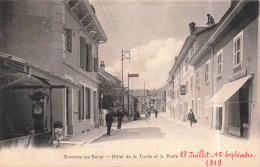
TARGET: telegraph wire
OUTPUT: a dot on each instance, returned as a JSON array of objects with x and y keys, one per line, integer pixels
[
  {"x": 107, "y": 4},
  {"x": 110, "y": 25}
]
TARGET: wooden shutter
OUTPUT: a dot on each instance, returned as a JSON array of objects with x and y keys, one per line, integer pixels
[
  {"x": 83, "y": 52},
  {"x": 69, "y": 40},
  {"x": 90, "y": 61},
  {"x": 96, "y": 64}
]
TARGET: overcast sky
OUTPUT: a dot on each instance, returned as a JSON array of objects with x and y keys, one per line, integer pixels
[{"x": 153, "y": 31}]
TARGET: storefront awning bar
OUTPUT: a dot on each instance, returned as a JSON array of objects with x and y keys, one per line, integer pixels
[
  {"x": 229, "y": 89},
  {"x": 239, "y": 102}
]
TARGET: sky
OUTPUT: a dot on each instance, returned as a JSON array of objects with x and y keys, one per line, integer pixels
[{"x": 153, "y": 31}]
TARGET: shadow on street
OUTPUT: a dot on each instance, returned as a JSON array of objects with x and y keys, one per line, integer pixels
[{"x": 132, "y": 133}]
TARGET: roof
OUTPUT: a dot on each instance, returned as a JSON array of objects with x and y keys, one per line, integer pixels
[
  {"x": 109, "y": 76},
  {"x": 227, "y": 18}
]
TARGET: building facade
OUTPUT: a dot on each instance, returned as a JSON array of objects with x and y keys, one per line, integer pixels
[
  {"x": 223, "y": 60},
  {"x": 227, "y": 64},
  {"x": 59, "y": 41},
  {"x": 180, "y": 87}
]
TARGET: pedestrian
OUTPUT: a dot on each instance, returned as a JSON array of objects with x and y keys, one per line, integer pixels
[
  {"x": 146, "y": 114},
  {"x": 149, "y": 112},
  {"x": 191, "y": 117},
  {"x": 155, "y": 113},
  {"x": 120, "y": 115},
  {"x": 109, "y": 121}
]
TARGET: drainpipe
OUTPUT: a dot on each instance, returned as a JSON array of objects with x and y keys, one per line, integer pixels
[
  {"x": 212, "y": 79},
  {"x": 51, "y": 116},
  {"x": 179, "y": 92}
]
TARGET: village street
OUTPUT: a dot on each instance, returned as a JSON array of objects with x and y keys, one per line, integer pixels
[
  {"x": 165, "y": 142},
  {"x": 156, "y": 142}
]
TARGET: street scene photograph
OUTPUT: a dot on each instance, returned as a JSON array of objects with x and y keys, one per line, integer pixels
[{"x": 129, "y": 83}]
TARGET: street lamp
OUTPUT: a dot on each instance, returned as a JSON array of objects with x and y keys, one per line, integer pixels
[
  {"x": 129, "y": 76},
  {"x": 124, "y": 57}
]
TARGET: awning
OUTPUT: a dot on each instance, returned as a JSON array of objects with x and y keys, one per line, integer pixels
[{"x": 226, "y": 92}]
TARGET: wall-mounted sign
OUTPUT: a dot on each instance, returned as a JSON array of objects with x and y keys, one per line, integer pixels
[{"x": 133, "y": 75}]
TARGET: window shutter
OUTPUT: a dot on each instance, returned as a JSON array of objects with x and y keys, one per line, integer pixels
[
  {"x": 90, "y": 61},
  {"x": 83, "y": 52},
  {"x": 69, "y": 40},
  {"x": 81, "y": 102},
  {"x": 96, "y": 64}
]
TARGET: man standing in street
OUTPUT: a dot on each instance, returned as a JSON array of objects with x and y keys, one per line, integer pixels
[
  {"x": 109, "y": 121},
  {"x": 119, "y": 117},
  {"x": 191, "y": 117},
  {"x": 155, "y": 113}
]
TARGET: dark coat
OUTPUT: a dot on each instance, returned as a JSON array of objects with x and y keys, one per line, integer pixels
[
  {"x": 109, "y": 118},
  {"x": 120, "y": 114},
  {"x": 191, "y": 116}
]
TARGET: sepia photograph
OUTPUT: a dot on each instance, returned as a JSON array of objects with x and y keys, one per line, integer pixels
[{"x": 129, "y": 83}]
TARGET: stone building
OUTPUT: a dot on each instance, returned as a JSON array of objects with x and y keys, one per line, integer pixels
[
  {"x": 57, "y": 43},
  {"x": 228, "y": 67}
]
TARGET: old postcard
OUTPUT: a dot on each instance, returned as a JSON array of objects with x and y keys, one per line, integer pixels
[{"x": 129, "y": 83}]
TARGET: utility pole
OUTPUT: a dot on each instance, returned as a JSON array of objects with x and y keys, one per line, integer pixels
[
  {"x": 129, "y": 76},
  {"x": 144, "y": 97},
  {"x": 124, "y": 57}
]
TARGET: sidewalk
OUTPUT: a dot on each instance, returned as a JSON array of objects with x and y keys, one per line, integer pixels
[
  {"x": 85, "y": 138},
  {"x": 211, "y": 133},
  {"x": 89, "y": 137}
]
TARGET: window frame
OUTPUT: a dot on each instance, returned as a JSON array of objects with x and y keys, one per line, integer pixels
[
  {"x": 207, "y": 74},
  {"x": 69, "y": 40},
  {"x": 197, "y": 78},
  {"x": 219, "y": 63},
  {"x": 238, "y": 36},
  {"x": 191, "y": 83}
]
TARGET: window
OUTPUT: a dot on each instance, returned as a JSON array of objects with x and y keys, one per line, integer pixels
[
  {"x": 87, "y": 103},
  {"x": 237, "y": 50},
  {"x": 81, "y": 102},
  {"x": 187, "y": 86},
  {"x": 186, "y": 69},
  {"x": 219, "y": 63},
  {"x": 89, "y": 58},
  {"x": 69, "y": 40},
  {"x": 197, "y": 83},
  {"x": 191, "y": 83},
  {"x": 206, "y": 72},
  {"x": 83, "y": 53}
]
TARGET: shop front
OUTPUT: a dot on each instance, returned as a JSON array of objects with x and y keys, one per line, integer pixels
[
  {"x": 232, "y": 107},
  {"x": 24, "y": 106}
]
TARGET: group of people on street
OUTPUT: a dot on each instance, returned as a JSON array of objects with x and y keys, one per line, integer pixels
[
  {"x": 149, "y": 111},
  {"x": 109, "y": 118}
]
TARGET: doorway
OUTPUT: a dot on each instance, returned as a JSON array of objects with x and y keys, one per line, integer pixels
[{"x": 219, "y": 118}]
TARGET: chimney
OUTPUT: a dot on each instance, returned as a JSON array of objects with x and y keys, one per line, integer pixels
[
  {"x": 192, "y": 28},
  {"x": 102, "y": 65},
  {"x": 210, "y": 21}
]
